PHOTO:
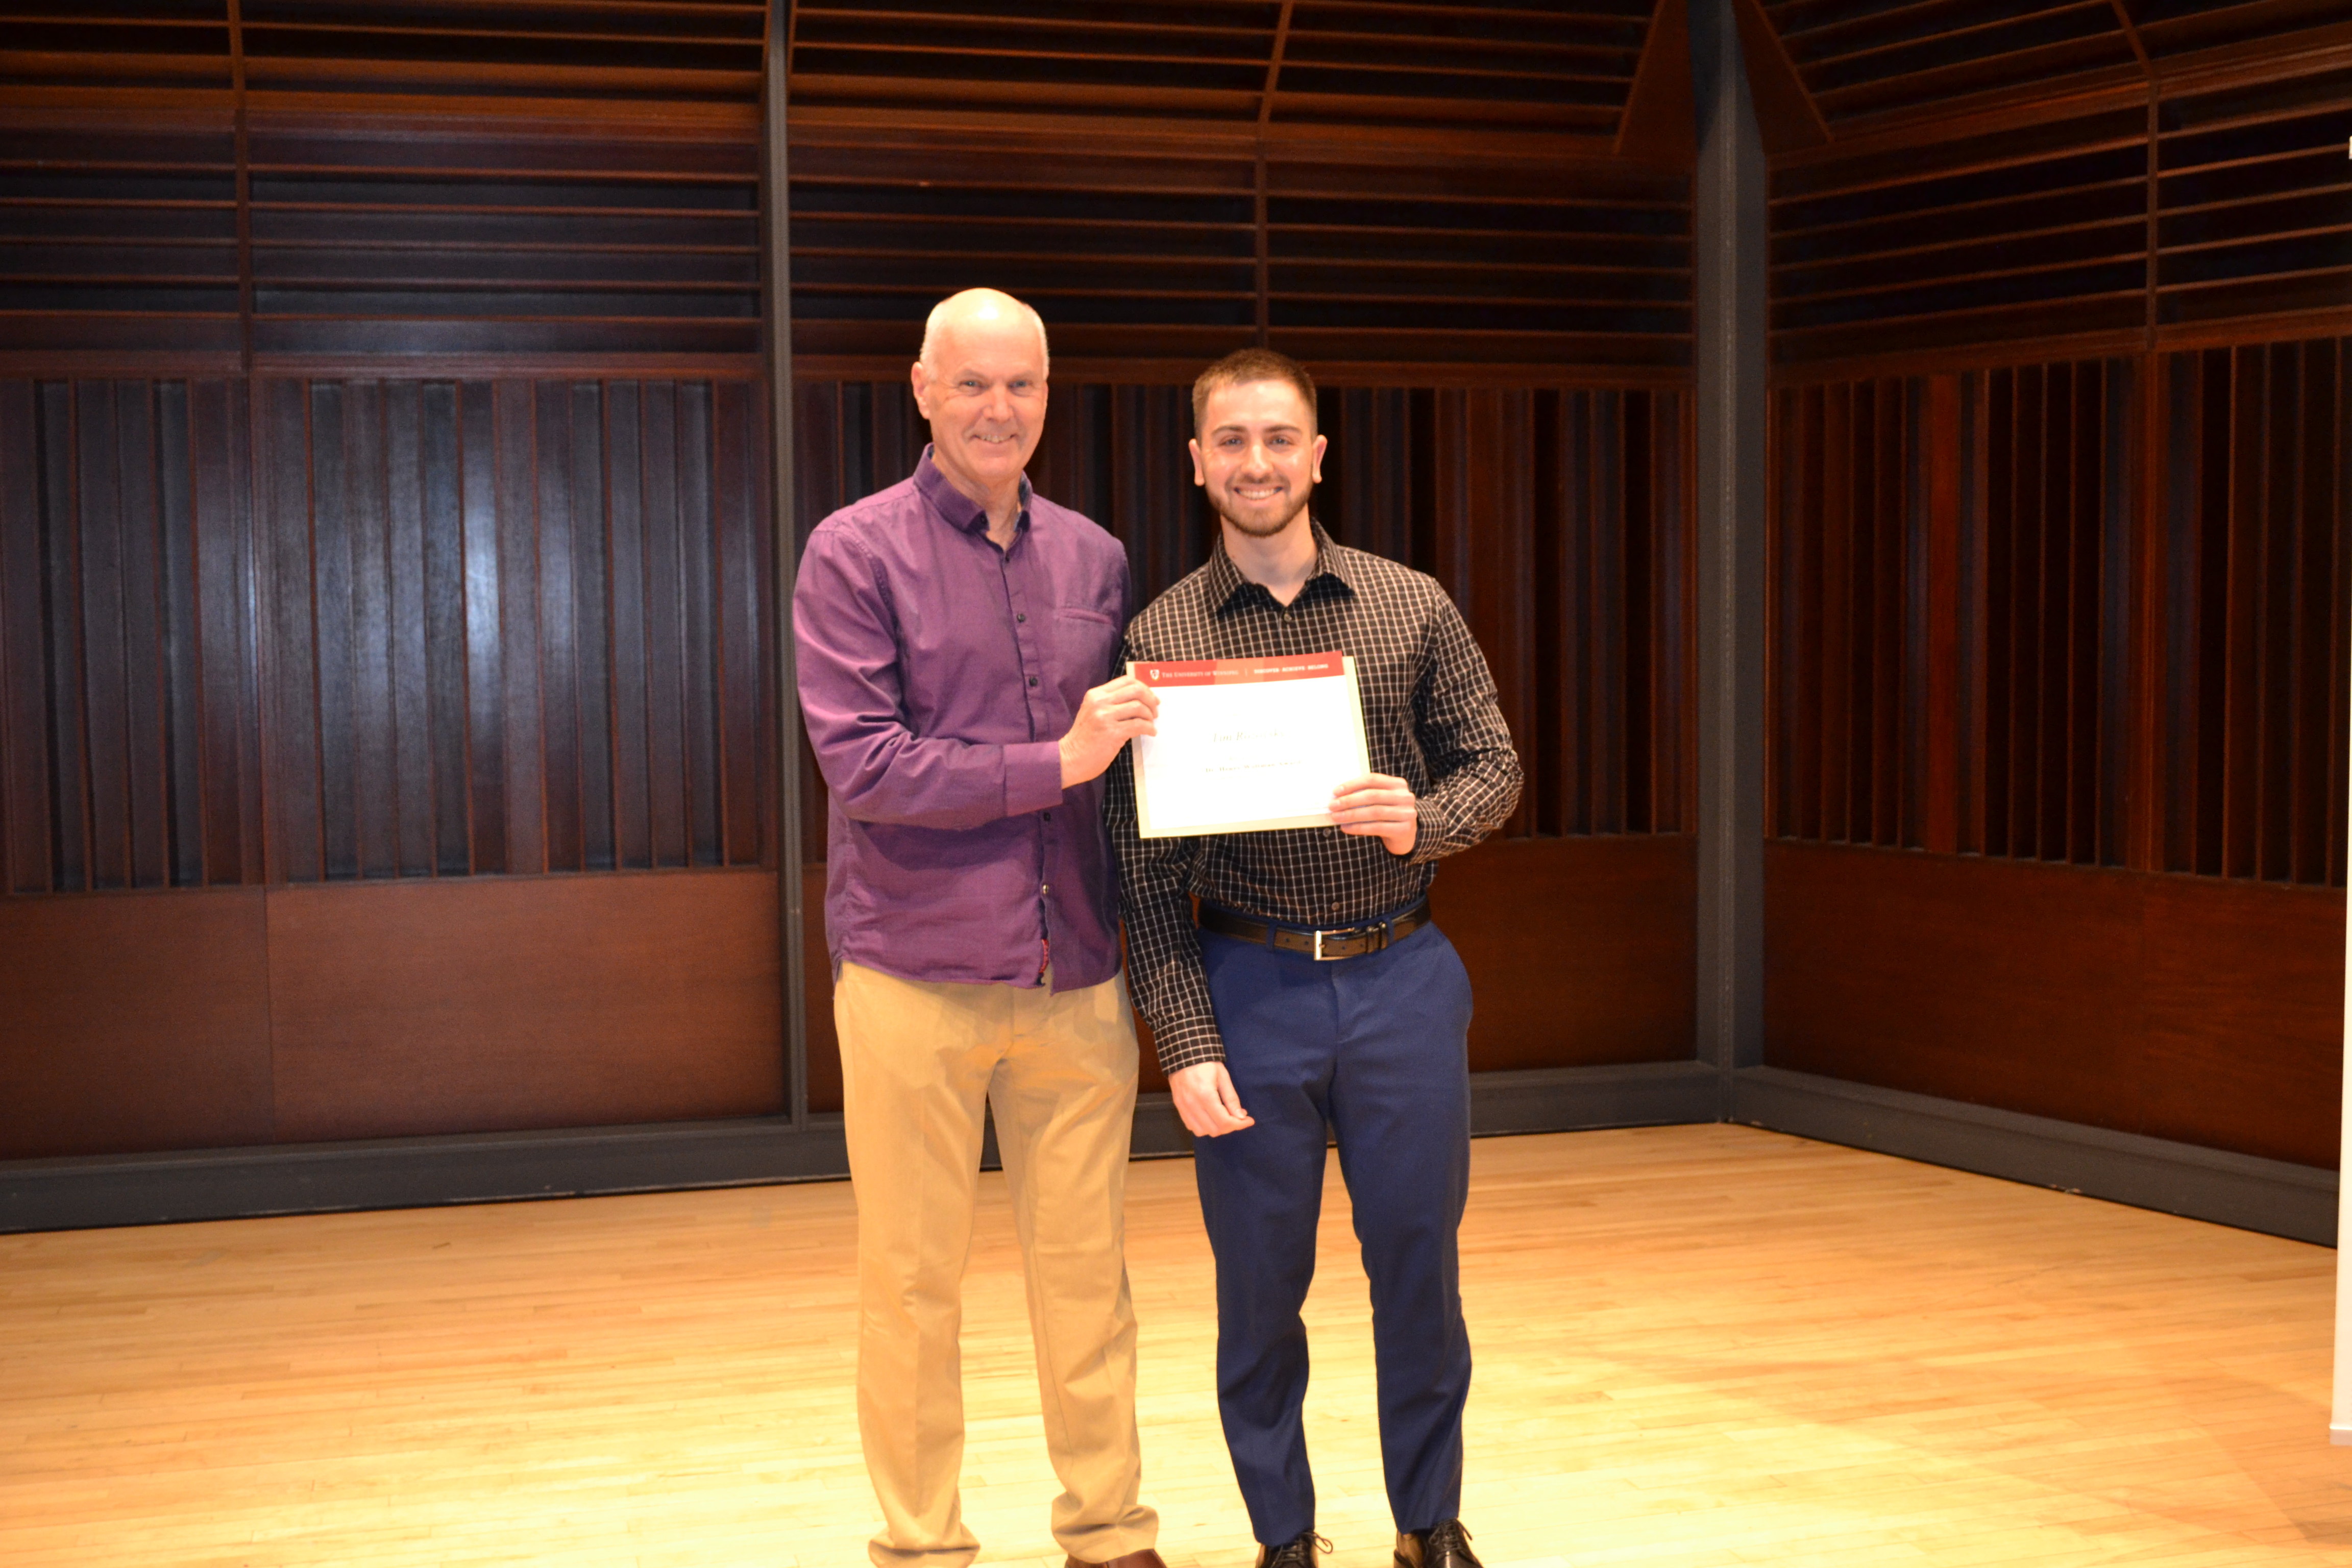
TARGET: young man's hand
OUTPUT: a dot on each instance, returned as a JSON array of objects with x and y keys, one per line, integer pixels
[
  {"x": 1204, "y": 1098},
  {"x": 1378, "y": 806},
  {"x": 1109, "y": 716}
]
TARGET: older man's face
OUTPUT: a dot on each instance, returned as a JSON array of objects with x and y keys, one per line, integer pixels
[{"x": 984, "y": 394}]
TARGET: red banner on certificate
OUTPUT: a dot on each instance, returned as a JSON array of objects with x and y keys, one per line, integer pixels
[{"x": 1237, "y": 671}]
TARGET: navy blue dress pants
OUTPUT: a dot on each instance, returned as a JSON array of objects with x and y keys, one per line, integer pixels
[{"x": 1375, "y": 1047}]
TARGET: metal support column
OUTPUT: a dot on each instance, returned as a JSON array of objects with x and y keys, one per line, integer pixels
[
  {"x": 1729, "y": 357},
  {"x": 776, "y": 313}
]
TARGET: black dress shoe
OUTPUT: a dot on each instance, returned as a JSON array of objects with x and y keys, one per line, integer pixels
[
  {"x": 1445, "y": 1546},
  {"x": 1305, "y": 1551}
]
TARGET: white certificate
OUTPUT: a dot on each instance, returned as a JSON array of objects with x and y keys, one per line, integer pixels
[{"x": 1247, "y": 744}]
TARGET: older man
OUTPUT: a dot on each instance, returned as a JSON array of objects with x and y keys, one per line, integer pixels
[{"x": 957, "y": 635}]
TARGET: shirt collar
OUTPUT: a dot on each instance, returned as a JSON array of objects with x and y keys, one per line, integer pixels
[
  {"x": 960, "y": 509},
  {"x": 1225, "y": 580}
]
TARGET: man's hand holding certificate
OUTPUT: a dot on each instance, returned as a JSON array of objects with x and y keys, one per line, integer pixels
[{"x": 1245, "y": 745}]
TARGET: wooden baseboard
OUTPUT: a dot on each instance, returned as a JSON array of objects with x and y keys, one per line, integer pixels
[
  {"x": 79, "y": 1193},
  {"x": 2241, "y": 1190}
]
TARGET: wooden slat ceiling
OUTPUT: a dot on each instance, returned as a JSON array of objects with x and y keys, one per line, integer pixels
[
  {"x": 1868, "y": 61},
  {"x": 1561, "y": 67},
  {"x": 2196, "y": 197},
  {"x": 524, "y": 177}
]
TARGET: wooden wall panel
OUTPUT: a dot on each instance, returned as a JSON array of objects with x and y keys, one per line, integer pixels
[
  {"x": 1580, "y": 950},
  {"x": 2207, "y": 1013},
  {"x": 132, "y": 1022},
  {"x": 491, "y": 1004},
  {"x": 519, "y": 626},
  {"x": 129, "y": 735},
  {"x": 2092, "y": 612}
]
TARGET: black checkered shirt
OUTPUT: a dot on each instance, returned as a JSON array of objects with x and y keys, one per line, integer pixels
[{"x": 1430, "y": 719}]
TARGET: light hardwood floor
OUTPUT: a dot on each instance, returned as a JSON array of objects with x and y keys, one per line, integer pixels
[{"x": 1700, "y": 1345}]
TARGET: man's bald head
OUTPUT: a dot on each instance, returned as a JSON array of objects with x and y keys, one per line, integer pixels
[{"x": 981, "y": 308}]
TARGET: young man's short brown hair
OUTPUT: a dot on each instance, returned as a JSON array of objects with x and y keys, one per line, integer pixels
[{"x": 1245, "y": 365}]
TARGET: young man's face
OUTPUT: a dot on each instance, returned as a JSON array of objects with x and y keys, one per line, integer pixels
[{"x": 1257, "y": 455}]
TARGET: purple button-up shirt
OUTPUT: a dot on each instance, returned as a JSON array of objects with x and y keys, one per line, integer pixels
[{"x": 938, "y": 675}]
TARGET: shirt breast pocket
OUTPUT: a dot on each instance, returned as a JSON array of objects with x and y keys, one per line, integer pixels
[{"x": 1088, "y": 639}]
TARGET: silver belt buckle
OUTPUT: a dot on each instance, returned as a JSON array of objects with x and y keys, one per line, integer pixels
[{"x": 1318, "y": 948}]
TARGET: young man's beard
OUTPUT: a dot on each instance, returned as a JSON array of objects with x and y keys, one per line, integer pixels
[{"x": 1263, "y": 530}]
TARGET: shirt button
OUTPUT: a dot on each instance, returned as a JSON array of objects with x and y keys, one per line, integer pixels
[
  {"x": 1032, "y": 681},
  {"x": 1044, "y": 889},
  {"x": 1019, "y": 616},
  {"x": 1049, "y": 817}
]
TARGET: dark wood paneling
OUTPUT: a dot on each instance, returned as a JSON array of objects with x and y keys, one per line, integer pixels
[
  {"x": 498, "y": 1003},
  {"x": 1580, "y": 950},
  {"x": 2244, "y": 1017},
  {"x": 129, "y": 736},
  {"x": 2178, "y": 1007},
  {"x": 504, "y": 614},
  {"x": 132, "y": 1022},
  {"x": 1998, "y": 627}
]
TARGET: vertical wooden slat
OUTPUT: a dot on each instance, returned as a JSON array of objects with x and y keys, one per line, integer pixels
[
  {"x": 2339, "y": 728},
  {"x": 1940, "y": 789},
  {"x": 1888, "y": 470},
  {"x": 1572, "y": 771},
  {"x": 1673, "y": 728},
  {"x": 375, "y": 750},
  {"x": 292, "y": 716},
  {"x": 2281, "y": 460},
  {"x": 2054, "y": 479},
  {"x": 2314, "y": 647},
  {"x": 408, "y": 585},
  {"x": 2088, "y": 712},
  {"x": 514, "y": 452},
  {"x": 2149, "y": 741},
  {"x": 227, "y": 671},
  {"x": 1634, "y": 632},
  {"x": 446, "y": 626},
  {"x": 625, "y": 566},
  {"x": 486, "y": 728},
  {"x": 1975, "y": 680},
  {"x": 2240, "y": 719},
  {"x": 697, "y": 582},
  {"x": 1781, "y": 528},
  {"x": 98, "y": 493},
  {"x": 146, "y": 759},
  {"x": 1809, "y": 741},
  {"x": 180, "y": 652},
  {"x": 25, "y": 771},
  {"x": 331, "y": 551},
  {"x": 736, "y": 604},
  {"x": 584, "y": 482},
  {"x": 2216, "y": 478},
  {"x": 1859, "y": 477},
  {"x": 1605, "y": 598},
  {"x": 2119, "y": 424},
  {"x": 1836, "y": 671},
  {"x": 664, "y": 630},
  {"x": 559, "y": 674}
]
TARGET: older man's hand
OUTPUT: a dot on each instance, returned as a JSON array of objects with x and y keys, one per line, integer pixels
[
  {"x": 1110, "y": 716},
  {"x": 1206, "y": 1100}
]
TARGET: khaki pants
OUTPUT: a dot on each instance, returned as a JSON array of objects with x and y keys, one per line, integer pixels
[{"x": 918, "y": 1059}]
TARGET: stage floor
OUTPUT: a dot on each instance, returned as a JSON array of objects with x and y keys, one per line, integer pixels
[{"x": 1696, "y": 1345}]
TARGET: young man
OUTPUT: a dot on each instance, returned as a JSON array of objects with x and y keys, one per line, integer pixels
[
  {"x": 956, "y": 635},
  {"x": 1313, "y": 987}
]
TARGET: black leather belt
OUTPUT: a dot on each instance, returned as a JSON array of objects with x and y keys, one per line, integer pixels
[{"x": 1349, "y": 941}]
